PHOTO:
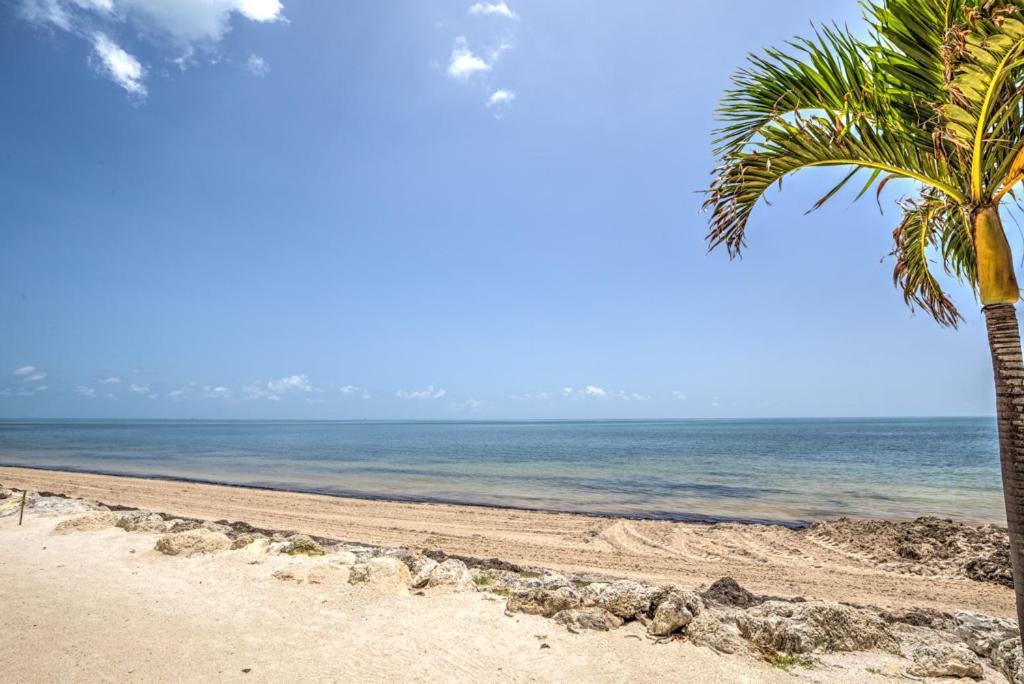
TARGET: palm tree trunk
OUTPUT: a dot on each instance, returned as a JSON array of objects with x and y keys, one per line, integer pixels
[{"x": 1008, "y": 364}]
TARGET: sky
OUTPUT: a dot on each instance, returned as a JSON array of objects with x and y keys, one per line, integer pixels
[{"x": 430, "y": 210}]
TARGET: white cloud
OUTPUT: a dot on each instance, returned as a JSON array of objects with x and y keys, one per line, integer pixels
[
  {"x": 35, "y": 377},
  {"x": 501, "y": 97},
  {"x": 352, "y": 390},
  {"x": 176, "y": 395},
  {"x": 112, "y": 380},
  {"x": 139, "y": 389},
  {"x": 463, "y": 63},
  {"x": 30, "y": 374},
  {"x": 531, "y": 396},
  {"x": 185, "y": 28},
  {"x": 31, "y": 390},
  {"x": 595, "y": 392},
  {"x": 5, "y": 392},
  {"x": 274, "y": 389},
  {"x": 25, "y": 370},
  {"x": 428, "y": 393},
  {"x": 87, "y": 392},
  {"x": 257, "y": 65},
  {"x": 121, "y": 67},
  {"x": 500, "y": 9},
  {"x": 219, "y": 392},
  {"x": 680, "y": 395}
]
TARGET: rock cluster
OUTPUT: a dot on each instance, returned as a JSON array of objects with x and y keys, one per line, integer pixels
[{"x": 994, "y": 639}]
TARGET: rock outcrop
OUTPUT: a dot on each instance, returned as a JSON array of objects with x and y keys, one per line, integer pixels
[
  {"x": 596, "y": 619},
  {"x": 814, "y": 626},
  {"x": 386, "y": 575},
  {"x": 193, "y": 542},
  {"x": 546, "y": 602}
]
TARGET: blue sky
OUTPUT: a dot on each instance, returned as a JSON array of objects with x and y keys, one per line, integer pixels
[{"x": 243, "y": 209}]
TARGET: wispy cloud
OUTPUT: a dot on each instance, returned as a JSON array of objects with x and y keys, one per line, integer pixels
[
  {"x": 274, "y": 390},
  {"x": 24, "y": 370},
  {"x": 355, "y": 390},
  {"x": 87, "y": 392},
  {"x": 257, "y": 65},
  {"x": 428, "y": 393},
  {"x": 139, "y": 389},
  {"x": 218, "y": 392},
  {"x": 30, "y": 374},
  {"x": 681, "y": 396},
  {"x": 187, "y": 29},
  {"x": 595, "y": 392},
  {"x": 121, "y": 67},
  {"x": 112, "y": 380},
  {"x": 467, "y": 406},
  {"x": 499, "y": 9}
]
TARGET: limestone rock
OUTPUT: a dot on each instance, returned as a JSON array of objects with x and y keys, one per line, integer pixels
[
  {"x": 452, "y": 574},
  {"x": 982, "y": 634},
  {"x": 387, "y": 575},
  {"x": 5, "y": 493},
  {"x": 553, "y": 580},
  {"x": 343, "y": 558},
  {"x": 421, "y": 572},
  {"x": 814, "y": 626},
  {"x": 546, "y": 602},
  {"x": 590, "y": 593},
  {"x": 707, "y": 630},
  {"x": 675, "y": 611},
  {"x": 192, "y": 542},
  {"x": 1009, "y": 659},
  {"x": 945, "y": 660},
  {"x": 626, "y": 598},
  {"x": 330, "y": 574},
  {"x": 90, "y": 522},
  {"x": 597, "y": 619},
  {"x": 303, "y": 545},
  {"x": 142, "y": 521}
]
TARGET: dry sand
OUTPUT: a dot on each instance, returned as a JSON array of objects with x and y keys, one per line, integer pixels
[{"x": 766, "y": 559}]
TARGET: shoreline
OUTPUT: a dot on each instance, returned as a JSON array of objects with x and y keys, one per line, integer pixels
[
  {"x": 693, "y": 519},
  {"x": 769, "y": 559}
]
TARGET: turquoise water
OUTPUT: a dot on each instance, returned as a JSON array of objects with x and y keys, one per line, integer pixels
[{"x": 790, "y": 471}]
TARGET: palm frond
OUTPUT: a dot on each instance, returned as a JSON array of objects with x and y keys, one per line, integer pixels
[
  {"x": 929, "y": 223},
  {"x": 791, "y": 145}
]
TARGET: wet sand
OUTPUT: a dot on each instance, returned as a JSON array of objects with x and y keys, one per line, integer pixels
[{"x": 766, "y": 559}]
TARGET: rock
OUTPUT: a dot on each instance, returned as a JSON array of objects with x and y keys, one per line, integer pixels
[
  {"x": 920, "y": 617},
  {"x": 343, "y": 558},
  {"x": 303, "y": 545},
  {"x": 251, "y": 543},
  {"x": 546, "y": 602},
  {"x": 387, "y": 575},
  {"x": 707, "y": 630},
  {"x": 675, "y": 611},
  {"x": 1008, "y": 659},
  {"x": 321, "y": 573},
  {"x": 626, "y": 598},
  {"x": 982, "y": 634},
  {"x": 814, "y": 626},
  {"x": 597, "y": 619},
  {"x": 590, "y": 593},
  {"x": 553, "y": 580},
  {"x": 142, "y": 521},
  {"x": 945, "y": 660},
  {"x": 5, "y": 493},
  {"x": 192, "y": 542},
  {"x": 452, "y": 574},
  {"x": 90, "y": 522},
  {"x": 728, "y": 592},
  {"x": 421, "y": 572}
]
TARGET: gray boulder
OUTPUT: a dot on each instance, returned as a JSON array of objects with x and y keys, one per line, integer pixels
[
  {"x": 675, "y": 612},
  {"x": 90, "y": 522},
  {"x": 546, "y": 602},
  {"x": 707, "y": 630},
  {"x": 421, "y": 570},
  {"x": 597, "y": 619},
  {"x": 452, "y": 574},
  {"x": 945, "y": 660},
  {"x": 142, "y": 521},
  {"x": 627, "y": 599},
  {"x": 1009, "y": 659},
  {"x": 815, "y": 626},
  {"x": 982, "y": 634}
]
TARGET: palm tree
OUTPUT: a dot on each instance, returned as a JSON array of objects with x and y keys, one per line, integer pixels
[{"x": 934, "y": 94}]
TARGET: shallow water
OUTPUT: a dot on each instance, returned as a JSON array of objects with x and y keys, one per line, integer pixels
[{"x": 790, "y": 471}]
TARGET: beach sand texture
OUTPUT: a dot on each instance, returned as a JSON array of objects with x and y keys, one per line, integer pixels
[{"x": 766, "y": 559}]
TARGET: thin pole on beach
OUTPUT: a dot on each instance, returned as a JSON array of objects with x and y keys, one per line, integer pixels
[{"x": 21, "y": 513}]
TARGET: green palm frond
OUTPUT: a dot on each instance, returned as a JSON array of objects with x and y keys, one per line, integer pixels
[
  {"x": 934, "y": 95},
  {"x": 789, "y": 146},
  {"x": 929, "y": 224}
]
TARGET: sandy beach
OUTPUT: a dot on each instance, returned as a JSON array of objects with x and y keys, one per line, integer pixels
[
  {"x": 84, "y": 577},
  {"x": 768, "y": 559}
]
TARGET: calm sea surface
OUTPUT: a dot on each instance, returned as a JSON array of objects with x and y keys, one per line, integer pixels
[{"x": 791, "y": 471}]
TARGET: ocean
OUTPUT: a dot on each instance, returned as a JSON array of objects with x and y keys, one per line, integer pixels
[{"x": 786, "y": 471}]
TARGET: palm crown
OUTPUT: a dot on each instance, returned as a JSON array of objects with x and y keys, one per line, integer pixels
[{"x": 934, "y": 95}]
